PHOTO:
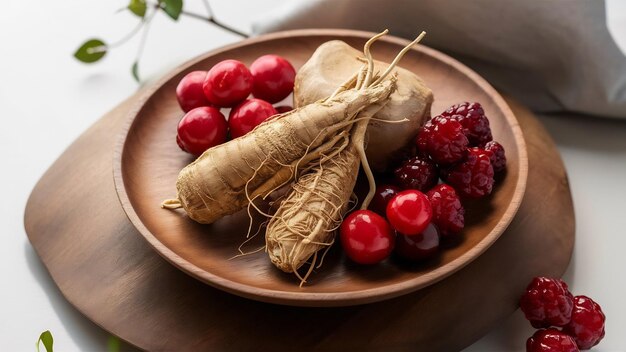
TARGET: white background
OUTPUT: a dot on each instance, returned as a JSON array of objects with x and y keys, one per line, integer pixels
[{"x": 47, "y": 99}]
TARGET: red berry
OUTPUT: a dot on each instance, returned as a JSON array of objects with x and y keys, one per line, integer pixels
[
  {"x": 201, "y": 129},
  {"x": 547, "y": 302},
  {"x": 473, "y": 177},
  {"x": 228, "y": 83},
  {"x": 448, "y": 212},
  {"x": 383, "y": 195},
  {"x": 443, "y": 140},
  {"x": 587, "y": 323},
  {"x": 419, "y": 247},
  {"x": 189, "y": 91},
  {"x": 366, "y": 237},
  {"x": 283, "y": 109},
  {"x": 180, "y": 143},
  {"x": 475, "y": 123},
  {"x": 247, "y": 115},
  {"x": 273, "y": 78},
  {"x": 496, "y": 154},
  {"x": 409, "y": 212},
  {"x": 417, "y": 173},
  {"x": 551, "y": 340}
]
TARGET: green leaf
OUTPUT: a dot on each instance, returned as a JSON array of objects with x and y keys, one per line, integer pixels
[
  {"x": 46, "y": 339},
  {"x": 138, "y": 7},
  {"x": 113, "y": 344},
  {"x": 91, "y": 51},
  {"x": 173, "y": 8},
  {"x": 135, "y": 71}
]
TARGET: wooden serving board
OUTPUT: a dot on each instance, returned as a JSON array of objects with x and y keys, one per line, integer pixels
[{"x": 107, "y": 270}]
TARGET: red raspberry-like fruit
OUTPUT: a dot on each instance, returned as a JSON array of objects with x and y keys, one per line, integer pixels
[
  {"x": 547, "y": 302},
  {"x": 417, "y": 173},
  {"x": 473, "y": 177},
  {"x": 448, "y": 212},
  {"x": 551, "y": 340},
  {"x": 472, "y": 117},
  {"x": 587, "y": 323},
  {"x": 442, "y": 139},
  {"x": 496, "y": 153}
]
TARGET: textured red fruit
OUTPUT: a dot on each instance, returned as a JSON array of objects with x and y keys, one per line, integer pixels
[
  {"x": 409, "y": 212},
  {"x": 551, "y": 340},
  {"x": 189, "y": 92},
  {"x": 472, "y": 177},
  {"x": 246, "y": 116},
  {"x": 201, "y": 129},
  {"x": 227, "y": 83},
  {"x": 383, "y": 195},
  {"x": 273, "y": 78},
  {"x": 448, "y": 212},
  {"x": 496, "y": 154},
  {"x": 443, "y": 140},
  {"x": 417, "y": 173},
  {"x": 475, "y": 123},
  {"x": 547, "y": 302},
  {"x": 419, "y": 247},
  {"x": 587, "y": 323},
  {"x": 366, "y": 237}
]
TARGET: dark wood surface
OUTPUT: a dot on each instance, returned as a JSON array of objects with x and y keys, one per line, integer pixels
[
  {"x": 147, "y": 163},
  {"x": 106, "y": 269}
]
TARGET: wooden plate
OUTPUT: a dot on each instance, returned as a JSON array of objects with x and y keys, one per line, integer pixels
[{"x": 147, "y": 163}]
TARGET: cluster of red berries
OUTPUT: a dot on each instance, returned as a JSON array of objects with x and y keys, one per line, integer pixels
[
  {"x": 228, "y": 84},
  {"x": 456, "y": 146},
  {"x": 548, "y": 304}
]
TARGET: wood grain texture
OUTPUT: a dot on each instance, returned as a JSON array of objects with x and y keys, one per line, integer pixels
[
  {"x": 147, "y": 163},
  {"x": 106, "y": 269}
]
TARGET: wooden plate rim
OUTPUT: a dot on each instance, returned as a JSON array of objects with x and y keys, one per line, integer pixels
[{"x": 319, "y": 298}]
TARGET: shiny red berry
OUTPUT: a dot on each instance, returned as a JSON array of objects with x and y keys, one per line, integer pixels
[
  {"x": 409, "y": 212},
  {"x": 366, "y": 237},
  {"x": 448, "y": 212},
  {"x": 419, "y": 247},
  {"x": 547, "y": 302},
  {"x": 273, "y": 78},
  {"x": 201, "y": 129},
  {"x": 417, "y": 173},
  {"x": 496, "y": 154},
  {"x": 227, "y": 83},
  {"x": 246, "y": 116},
  {"x": 189, "y": 91},
  {"x": 551, "y": 340},
  {"x": 475, "y": 123},
  {"x": 587, "y": 323},
  {"x": 443, "y": 140},
  {"x": 383, "y": 195},
  {"x": 472, "y": 177}
]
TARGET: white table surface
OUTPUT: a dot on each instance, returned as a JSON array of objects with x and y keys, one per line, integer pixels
[{"x": 47, "y": 99}]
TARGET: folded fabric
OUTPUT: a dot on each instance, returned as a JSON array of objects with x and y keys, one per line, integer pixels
[{"x": 553, "y": 55}]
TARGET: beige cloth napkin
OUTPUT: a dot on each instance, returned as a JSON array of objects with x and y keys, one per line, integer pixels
[{"x": 553, "y": 55}]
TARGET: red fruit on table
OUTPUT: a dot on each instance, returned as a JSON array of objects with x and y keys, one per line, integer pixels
[
  {"x": 448, "y": 212},
  {"x": 418, "y": 173},
  {"x": 496, "y": 154},
  {"x": 409, "y": 212},
  {"x": 475, "y": 124},
  {"x": 247, "y": 115},
  {"x": 472, "y": 177},
  {"x": 419, "y": 247},
  {"x": 443, "y": 140},
  {"x": 227, "y": 83},
  {"x": 547, "y": 302},
  {"x": 180, "y": 143},
  {"x": 587, "y": 323},
  {"x": 273, "y": 78},
  {"x": 383, "y": 195},
  {"x": 551, "y": 340},
  {"x": 189, "y": 91},
  {"x": 201, "y": 129},
  {"x": 366, "y": 237}
]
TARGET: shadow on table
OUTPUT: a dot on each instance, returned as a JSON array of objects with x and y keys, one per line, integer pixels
[{"x": 82, "y": 330}]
